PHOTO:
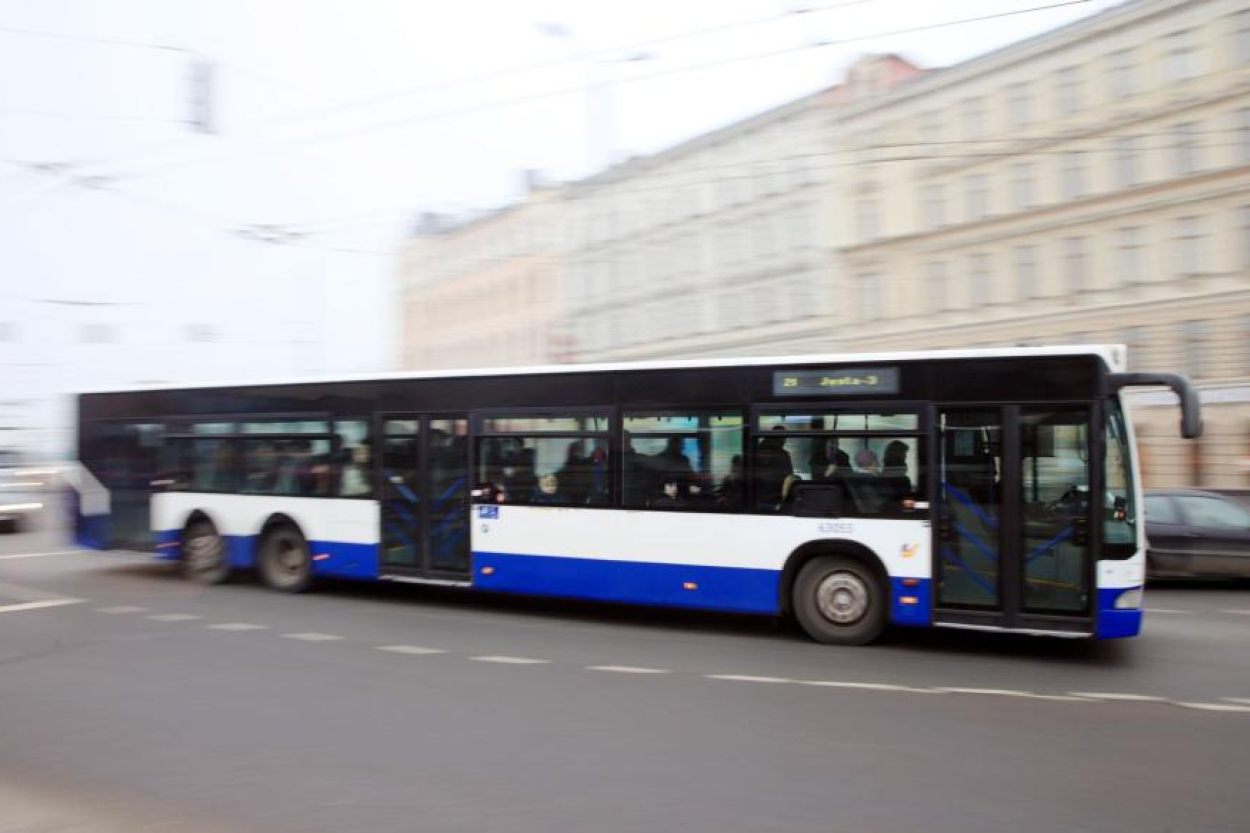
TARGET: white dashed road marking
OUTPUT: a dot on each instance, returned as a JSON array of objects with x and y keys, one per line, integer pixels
[
  {"x": 15, "y": 608},
  {"x": 1235, "y": 612},
  {"x": 512, "y": 660},
  {"x": 121, "y": 609},
  {"x": 237, "y": 626},
  {"x": 1103, "y": 695},
  {"x": 415, "y": 650},
  {"x": 312, "y": 637},
  {"x": 745, "y": 678},
  {"x": 626, "y": 669},
  {"x": 173, "y": 617},
  {"x": 1241, "y": 701},
  {"x": 41, "y": 554},
  {"x": 868, "y": 686},
  {"x": 1214, "y": 707},
  {"x": 1165, "y": 610}
]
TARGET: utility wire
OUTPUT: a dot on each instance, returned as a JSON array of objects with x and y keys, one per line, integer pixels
[
  {"x": 37, "y": 33},
  {"x": 287, "y": 144}
]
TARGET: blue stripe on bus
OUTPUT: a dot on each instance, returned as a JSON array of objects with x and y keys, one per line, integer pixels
[
  {"x": 92, "y": 531},
  {"x": 714, "y": 588},
  {"x": 920, "y": 613},
  {"x": 1115, "y": 624},
  {"x": 339, "y": 560}
]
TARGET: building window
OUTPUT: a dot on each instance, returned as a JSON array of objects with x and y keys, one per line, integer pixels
[
  {"x": 1193, "y": 346},
  {"x": 1182, "y": 55},
  {"x": 1242, "y": 127},
  {"x": 1245, "y": 236},
  {"x": 1123, "y": 75},
  {"x": 1190, "y": 246},
  {"x": 1022, "y": 186},
  {"x": 935, "y": 273},
  {"x": 934, "y": 205},
  {"x": 1026, "y": 272},
  {"x": 868, "y": 220},
  {"x": 1072, "y": 175},
  {"x": 1126, "y": 169},
  {"x": 974, "y": 118},
  {"x": 977, "y": 188},
  {"x": 1020, "y": 105},
  {"x": 8, "y": 331},
  {"x": 1068, "y": 93},
  {"x": 1243, "y": 338},
  {"x": 96, "y": 334},
  {"x": 869, "y": 297},
  {"x": 1130, "y": 248},
  {"x": 979, "y": 279},
  {"x": 1241, "y": 37},
  {"x": 1075, "y": 265},
  {"x": 1134, "y": 339},
  {"x": 1184, "y": 152}
]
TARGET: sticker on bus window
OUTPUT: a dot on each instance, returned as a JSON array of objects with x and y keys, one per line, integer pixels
[{"x": 488, "y": 512}]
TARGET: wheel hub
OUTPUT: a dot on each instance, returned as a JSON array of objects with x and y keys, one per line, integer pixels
[{"x": 842, "y": 598}]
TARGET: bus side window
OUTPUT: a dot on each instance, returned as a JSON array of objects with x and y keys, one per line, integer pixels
[{"x": 683, "y": 461}]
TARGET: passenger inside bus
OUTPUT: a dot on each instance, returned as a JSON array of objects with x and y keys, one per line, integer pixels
[{"x": 772, "y": 466}]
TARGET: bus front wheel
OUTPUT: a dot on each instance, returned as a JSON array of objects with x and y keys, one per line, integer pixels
[
  {"x": 839, "y": 601},
  {"x": 285, "y": 561}
]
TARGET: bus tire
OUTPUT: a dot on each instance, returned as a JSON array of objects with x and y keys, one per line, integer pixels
[
  {"x": 839, "y": 601},
  {"x": 205, "y": 556},
  {"x": 284, "y": 560}
]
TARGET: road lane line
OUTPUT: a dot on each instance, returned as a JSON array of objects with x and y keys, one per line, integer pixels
[
  {"x": 1241, "y": 701},
  {"x": 122, "y": 609},
  {"x": 511, "y": 660},
  {"x": 414, "y": 650},
  {"x": 1213, "y": 707},
  {"x": 1166, "y": 610},
  {"x": 237, "y": 626},
  {"x": 15, "y": 608},
  {"x": 626, "y": 669},
  {"x": 868, "y": 686},
  {"x": 746, "y": 678},
  {"x": 173, "y": 617},
  {"x": 1107, "y": 695},
  {"x": 42, "y": 554},
  {"x": 1235, "y": 612},
  {"x": 312, "y": 637}
]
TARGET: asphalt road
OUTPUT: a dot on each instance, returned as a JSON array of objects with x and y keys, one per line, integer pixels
[{"x": 132, "y": 700}]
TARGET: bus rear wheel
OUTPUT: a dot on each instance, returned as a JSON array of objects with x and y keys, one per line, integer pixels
[
  {"x": 285, "y": 560},
  {"x": 205, "y": 558},
  {"x": 839, "y": 601}
]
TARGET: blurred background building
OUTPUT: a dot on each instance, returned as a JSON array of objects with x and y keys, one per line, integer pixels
[
  {"x": 1091, "y": 184},
  {"x": 486, "y": 291}
]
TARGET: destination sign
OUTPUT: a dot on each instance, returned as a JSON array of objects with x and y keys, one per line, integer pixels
[{"x": 837, "y": 381}]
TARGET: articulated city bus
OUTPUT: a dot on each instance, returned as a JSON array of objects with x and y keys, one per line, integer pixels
[{"x": 987, "y": 489}]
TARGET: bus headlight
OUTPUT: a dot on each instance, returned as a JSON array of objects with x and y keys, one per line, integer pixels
[{"x": 1129, "y": 600}]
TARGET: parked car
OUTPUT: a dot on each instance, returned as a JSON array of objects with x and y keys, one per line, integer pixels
[{"x": 1196, "y": 534}]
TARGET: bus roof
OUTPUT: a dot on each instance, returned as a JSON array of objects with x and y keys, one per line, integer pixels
[{"x": 1113, "y": 355}]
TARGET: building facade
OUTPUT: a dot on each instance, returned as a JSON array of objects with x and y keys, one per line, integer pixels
[
  {"x": 716, "y": 246},
  {"x": 485, "y": 292},
  {"x": 1088, "y": 185}
]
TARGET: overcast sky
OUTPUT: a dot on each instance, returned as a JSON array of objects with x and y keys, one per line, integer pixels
[{"x": 343, "y": 120}]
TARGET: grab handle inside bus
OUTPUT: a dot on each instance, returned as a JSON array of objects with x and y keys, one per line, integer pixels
[{"x": 1191, "y": 407}]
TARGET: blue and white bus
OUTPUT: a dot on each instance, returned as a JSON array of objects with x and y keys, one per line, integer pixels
[{"x": 986, "y": 489}]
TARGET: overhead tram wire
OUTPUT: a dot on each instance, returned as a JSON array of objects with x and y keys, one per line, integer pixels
[
  {"x": 287, "y": 144},
  {"x": 511, "y": 72}
]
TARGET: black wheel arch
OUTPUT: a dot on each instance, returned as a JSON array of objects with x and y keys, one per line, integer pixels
[{"x": 823, "y": 547}]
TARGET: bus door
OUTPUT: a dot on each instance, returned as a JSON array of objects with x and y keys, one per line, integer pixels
[
  {"x": 424, "y": 468},
  {"x": 1014, "y": 516}
]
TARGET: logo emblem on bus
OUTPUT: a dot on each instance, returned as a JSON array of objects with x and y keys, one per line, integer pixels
[{"x": 910, "y": 550}]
